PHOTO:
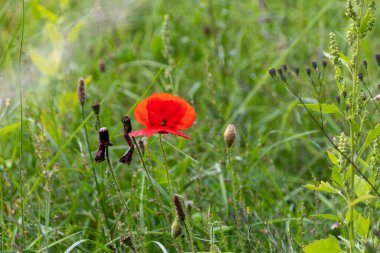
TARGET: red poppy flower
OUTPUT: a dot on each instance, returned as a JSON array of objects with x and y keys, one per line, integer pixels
[{"x": 164, "y": 113}]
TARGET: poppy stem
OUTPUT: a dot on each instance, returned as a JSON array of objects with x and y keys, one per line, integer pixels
[
  {"x": 130, "y": 219},
  {"x": 235, "y": 200},
  {"x": 157, "y": 194},
  {"x": 166, "y": 169}
]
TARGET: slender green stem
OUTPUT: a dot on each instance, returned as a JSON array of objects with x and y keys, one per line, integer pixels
[
  {"x": 235, "y": 200},
  {"x": 166, "y": 169},
  {"x": 157, "y": 194},
  {"x": 101, "y": 196},
  {"x": 21, "y": 130},
  {"x": 130, "y": 220}
]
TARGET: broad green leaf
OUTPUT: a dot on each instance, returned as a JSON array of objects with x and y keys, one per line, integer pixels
[
  {"x": 332, "y": 157},
  {"x": 372, "y": 135},
  {"x": 326, "y": 216},
  {"x": 323, "y": 187},
  {"x": 325, "y": 108},
  {"x": 337, "y": 177},
  {"x": 329, "y": 245},
  {"x": 362, "y": 188},
  {"x": 362, "y": 225},
  {"x": 361, "y": 199}
]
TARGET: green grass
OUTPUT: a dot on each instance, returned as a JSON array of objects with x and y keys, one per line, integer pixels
[{"x": 222, "y": 52}]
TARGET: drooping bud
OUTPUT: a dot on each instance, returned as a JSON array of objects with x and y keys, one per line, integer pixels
[
  {"x": 285, "y": 67},
  {"x": 178, "y": 208},
  {"x": 104, "y": 142},
  {"x": 176, "y": 229},
  {"x": 81, "y": 91},
  {"x": 95, "y": 107},
  {"x": 230, "y": 135},
  {"x": 127, "y": 158}
]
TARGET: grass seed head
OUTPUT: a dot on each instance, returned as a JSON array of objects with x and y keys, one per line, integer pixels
[
  {"x": 176, "y": 229},
  {"x": 178, "y": 208},
  {"x": 81, "y": 91}
]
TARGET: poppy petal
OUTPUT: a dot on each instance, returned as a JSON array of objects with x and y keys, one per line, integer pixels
[
  {"x": 149, "y": 131},
  {"x": 141, "y": 113}
]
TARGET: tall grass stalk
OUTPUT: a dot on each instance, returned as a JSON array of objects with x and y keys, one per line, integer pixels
[{"x": 21, "y": 129}]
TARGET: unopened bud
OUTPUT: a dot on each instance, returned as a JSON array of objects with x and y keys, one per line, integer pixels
[
  {"x": 324, "y": 64},
  {"x": 81, "y": 91},
  {"x": 315, "y": 65},
  {"x": 297, "y": 71},
  {"x": 95, "y": 107},
  {"x": 360, "y": 76},
  {"x": 285, "y": 67},
  {"x": 365, "y": 64},
  {"x": 272, "y": 72},
  {"x": 308, "y": 71},
  {"x": 230, "y": 135}
]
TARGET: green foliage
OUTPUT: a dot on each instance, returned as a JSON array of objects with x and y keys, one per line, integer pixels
[{"x": 215, "y": 54}]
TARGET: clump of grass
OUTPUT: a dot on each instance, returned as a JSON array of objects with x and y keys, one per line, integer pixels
[{"x": 352, "y": 181}]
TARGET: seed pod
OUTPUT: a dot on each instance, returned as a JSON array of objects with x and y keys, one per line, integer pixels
[
  {"x": 176, "y": 228},
  {"x": 81, "y": 91},
  {"x": 230, "y": 135}
]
